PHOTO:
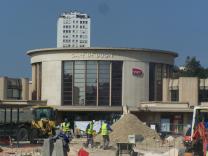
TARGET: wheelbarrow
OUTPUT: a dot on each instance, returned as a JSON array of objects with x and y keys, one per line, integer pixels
[{"x": 125, "y": 148}]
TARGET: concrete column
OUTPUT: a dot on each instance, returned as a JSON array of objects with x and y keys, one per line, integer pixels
[
  {"x": 25, "y": 88},
  {"x": 165, "y": 90},
  {"x": 38, "y": 67},
  {"x": 3, "y": 88},
  {"x": 97, "y": 85},
  {"x": 188, "y": 90},
  {"x": 110, "y": 86},
  {"x": 34, "y": 82},
  {"x": 157, "y": 117},
  {"x": 30, "y": 90}
]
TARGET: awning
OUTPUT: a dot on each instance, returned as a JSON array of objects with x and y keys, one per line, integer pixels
[
  {"x": 89, "y": 108},
  {"x": 206, "y": 83},
  {"x": 173, "y": 84},
  {"x": 202, "y": 84}
]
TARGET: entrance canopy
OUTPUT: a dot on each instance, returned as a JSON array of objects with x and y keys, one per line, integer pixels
[
  {"x": 156, "y": 106},
  {"x": 20, "y": 103}
]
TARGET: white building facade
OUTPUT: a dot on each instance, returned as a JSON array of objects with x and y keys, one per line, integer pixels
[
  {"x": 102, "y": 77},
  {"x": 101, "y": 83},
  {"x": 73, "y": 30}
]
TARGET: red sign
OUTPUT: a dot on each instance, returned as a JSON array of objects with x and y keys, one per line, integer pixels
[{"x": 137, "y": 72}]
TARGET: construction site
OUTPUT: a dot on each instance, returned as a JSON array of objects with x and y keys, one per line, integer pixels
[
  {"x": 103, "y": 101},
  {"x": 129, "y": 136}
]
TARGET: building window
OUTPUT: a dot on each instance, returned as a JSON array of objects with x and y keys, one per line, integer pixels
[
  {"x": 158, "y": 80},
  {"x": 174, "y": 95},
  {"x": 151, "y": 81},
  {"x": 116, "y": 90},
  {"x": 67, "y": 82},
  {"x": 88, "y": 83},
  {"x": 203, "y": 95},
  {"x": 79, "y": 83},
  {"x": 104, "y": 82},
  {"x": 156, "y": 73},
  {"x": 14, "y": 89},
  {"x": 91, "y": 83}
]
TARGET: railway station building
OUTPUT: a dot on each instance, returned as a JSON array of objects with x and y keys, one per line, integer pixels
[
  {"x": 103, "y": 83},
  {"x": 86, "y": 83}
]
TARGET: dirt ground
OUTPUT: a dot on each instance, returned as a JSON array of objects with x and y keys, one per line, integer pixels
[{"x": 168, "y": 149}]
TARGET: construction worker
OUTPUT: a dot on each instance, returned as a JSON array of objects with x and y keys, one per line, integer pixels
[
  {"x": 65, "y": 127},
  {"x": 105, "y": 130},
  {"x": 89, "y": 132}
]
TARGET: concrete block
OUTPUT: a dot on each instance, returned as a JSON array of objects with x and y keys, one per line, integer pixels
[
  {"x": 59, "y": 149},
  {"x": 47, "y": 147}
]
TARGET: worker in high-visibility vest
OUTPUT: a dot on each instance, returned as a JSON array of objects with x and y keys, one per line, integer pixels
[
  {"x": 89, "y": 132},
  {"x": 65, "y": 127},
  {"x": 105, "y": 130}
]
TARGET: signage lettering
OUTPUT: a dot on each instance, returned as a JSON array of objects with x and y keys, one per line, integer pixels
[
  {"x": 137, "y": 72},
  {"x": 92, "y": 55}
]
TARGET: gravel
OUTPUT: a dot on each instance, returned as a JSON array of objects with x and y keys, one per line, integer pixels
[{"x": 129, "y": 124}]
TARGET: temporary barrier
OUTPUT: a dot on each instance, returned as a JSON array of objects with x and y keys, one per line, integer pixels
[{"x": 82, "y": 152}]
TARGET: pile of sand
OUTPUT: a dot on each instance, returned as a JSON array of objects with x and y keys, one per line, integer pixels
[{"x": 129, "y": 124}]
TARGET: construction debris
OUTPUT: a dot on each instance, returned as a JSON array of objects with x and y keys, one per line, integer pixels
[
  {"x": 127, "y": 125},
  {"x": 170, "y": 139}
]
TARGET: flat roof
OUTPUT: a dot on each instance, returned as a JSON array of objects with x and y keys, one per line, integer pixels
[{"x": 48, "y": 50}]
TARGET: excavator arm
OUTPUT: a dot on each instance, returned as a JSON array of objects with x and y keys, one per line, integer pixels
[{"x": 200, "y": 133}]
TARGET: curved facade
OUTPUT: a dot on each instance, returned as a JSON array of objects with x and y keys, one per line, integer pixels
[{"x": 102, "y": 77}]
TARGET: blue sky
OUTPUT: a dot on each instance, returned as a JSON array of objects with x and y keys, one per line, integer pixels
[{"x": 177, "y": 25}]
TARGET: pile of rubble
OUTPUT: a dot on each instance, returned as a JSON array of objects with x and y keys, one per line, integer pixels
[{"x": 127, "y": 125}]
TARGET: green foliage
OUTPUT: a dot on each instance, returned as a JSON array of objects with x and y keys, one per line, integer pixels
[{"x": 192, "y": 68}]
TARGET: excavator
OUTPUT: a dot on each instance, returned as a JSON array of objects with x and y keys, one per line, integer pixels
[
  {"x": 43, "y": 123},
  {"x": 199, "y": 132}
]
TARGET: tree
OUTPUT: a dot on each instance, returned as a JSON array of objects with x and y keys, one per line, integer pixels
[
  {"x": 176, "y": 72},
  {"x": 192, "y": 68}
]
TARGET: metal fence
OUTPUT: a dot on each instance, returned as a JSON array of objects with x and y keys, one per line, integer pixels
[{"x": 169, "y": 128}]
